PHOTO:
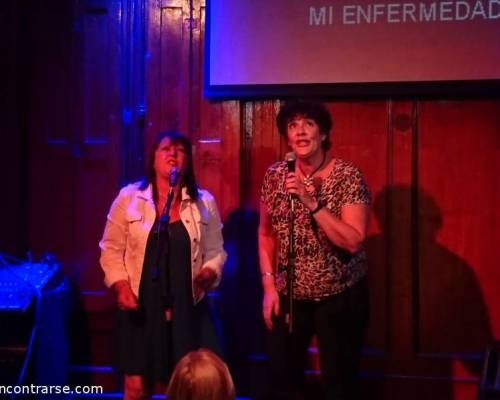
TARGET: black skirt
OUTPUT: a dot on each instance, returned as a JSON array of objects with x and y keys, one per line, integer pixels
[{"x": 146, "y": 343}]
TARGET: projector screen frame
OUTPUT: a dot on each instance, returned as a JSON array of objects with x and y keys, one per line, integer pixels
[
  {"x": 483, "y": 88},
  {"x": 441, "y": 88}
]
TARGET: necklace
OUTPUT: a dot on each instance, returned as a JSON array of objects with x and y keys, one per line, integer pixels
[{"x": 308, "y": 179}]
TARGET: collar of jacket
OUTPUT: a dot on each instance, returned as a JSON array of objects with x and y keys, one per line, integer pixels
[{"x": 147, "y": 194}]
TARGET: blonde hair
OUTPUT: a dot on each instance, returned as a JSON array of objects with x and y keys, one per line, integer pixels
[{"x": 201, "y": 375}]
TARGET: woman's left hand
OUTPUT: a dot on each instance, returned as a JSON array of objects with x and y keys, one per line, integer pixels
[
  {"x": 295, "y": 186},
  {"x": 204, "y": 280}
]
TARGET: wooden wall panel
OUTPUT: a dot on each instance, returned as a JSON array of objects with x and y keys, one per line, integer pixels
[
  {"x": 262, "y": 146},
  {"x": 215, "y": 128},
  {"x": 97, "y": 89},
  {"x": 167, "y": 65},
  {"x": 458, "y": 231},
  {"x": 97, "y": 132},
  {"x": 360, "y": 134},
  {"x": 398, "y": 235},
  {"x": 52, "y": 165},
  {"x": 217, "y": 156},
  {"x": 74, "y": 135}
]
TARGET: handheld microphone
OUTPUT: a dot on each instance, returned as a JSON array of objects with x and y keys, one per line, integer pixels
[
  {"x": 290, "y": 161},
  {"x": 173, "y": 177}
]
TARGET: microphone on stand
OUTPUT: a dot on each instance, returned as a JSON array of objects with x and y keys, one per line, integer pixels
[
  {"x": 290, "y": 163},
  {"x": 173, "y": 178}
]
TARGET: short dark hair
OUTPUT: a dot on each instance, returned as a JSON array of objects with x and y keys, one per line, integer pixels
[
  {"x": 189, "y": 177},
  {"x": 309, "y": 109}
]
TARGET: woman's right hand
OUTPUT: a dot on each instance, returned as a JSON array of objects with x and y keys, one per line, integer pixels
[
  {"x": 125, "y": 297},
  {"x": 270, "y": 306}
]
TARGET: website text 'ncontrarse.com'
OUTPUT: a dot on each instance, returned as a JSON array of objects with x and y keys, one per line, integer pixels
[{"x": 43, "y": 389}]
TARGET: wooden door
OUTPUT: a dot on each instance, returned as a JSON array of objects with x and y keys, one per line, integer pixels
[{"x": 75, "y": 153}]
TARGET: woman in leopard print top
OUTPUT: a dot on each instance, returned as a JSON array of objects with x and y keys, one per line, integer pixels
[{"x": 331, "y": 212}]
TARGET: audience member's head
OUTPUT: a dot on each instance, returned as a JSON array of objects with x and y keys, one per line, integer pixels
[{"x": 201, "y": 375}]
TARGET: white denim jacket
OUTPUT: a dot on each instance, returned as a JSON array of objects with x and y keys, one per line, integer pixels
[{"x": 130, "y": 220}]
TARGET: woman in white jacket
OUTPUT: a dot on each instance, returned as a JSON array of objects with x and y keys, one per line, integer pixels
[{"x": 160, "y": 252}]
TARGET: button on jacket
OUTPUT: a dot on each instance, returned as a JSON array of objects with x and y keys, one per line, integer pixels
[{"x": 131, "y": 218}]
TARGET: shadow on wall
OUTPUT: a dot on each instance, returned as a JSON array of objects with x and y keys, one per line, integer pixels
[
  {"x": 453, "y": 322},
  {"x": 241, "y": 299}
]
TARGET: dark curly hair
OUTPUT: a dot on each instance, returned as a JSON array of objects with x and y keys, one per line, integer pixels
[
  {"x": 308, "y": 109},
  {"x": 189, "y": 177}
]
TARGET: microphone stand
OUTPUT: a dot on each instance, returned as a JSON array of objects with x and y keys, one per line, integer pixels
[
  {"x": 164, "y": 220},
  {"x": 290, "y": 163},
  {"x": 291, "y": 264},
  {"x": 164, "y": 272}
]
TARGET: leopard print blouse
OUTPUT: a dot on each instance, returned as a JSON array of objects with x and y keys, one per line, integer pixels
[{"x": 322, "y": 269}]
